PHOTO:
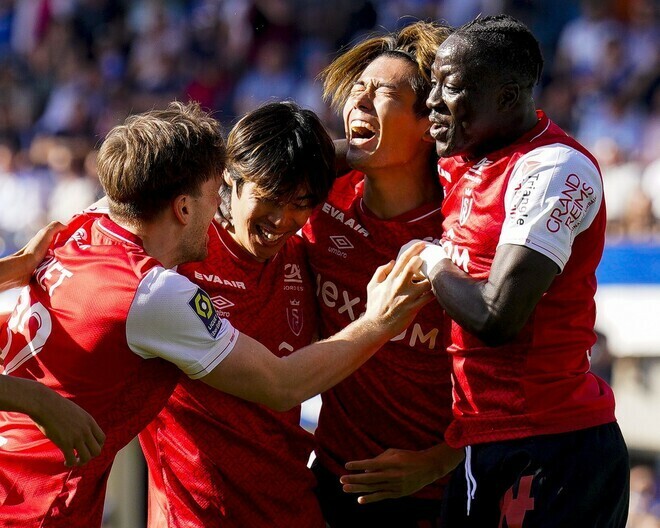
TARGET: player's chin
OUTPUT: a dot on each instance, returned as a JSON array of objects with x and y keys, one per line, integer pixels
[
  {"x": 266, "y": 252},
  {"x": 202, "y": 253}
]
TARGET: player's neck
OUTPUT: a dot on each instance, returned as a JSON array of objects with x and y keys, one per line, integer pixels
[
  {"x": 391, "y": 194},
  {"x": 158, "y": 240}
]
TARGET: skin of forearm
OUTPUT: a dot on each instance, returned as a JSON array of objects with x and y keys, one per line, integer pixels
[
  {"x": 15, "y": 271},
  {"x": 320, "y": 366},
  {"x": 463, "y": 298},
  {"x": 20, "y": 395},
  {"x": 443, "y": 459},
  {"x": 496, "y": 309},
  {"x": 253, "y": 373}
]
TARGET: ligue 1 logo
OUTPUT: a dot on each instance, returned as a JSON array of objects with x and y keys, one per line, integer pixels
[
  {"x": 203, "y": 305},
  {"x": 203, "y": 308}
]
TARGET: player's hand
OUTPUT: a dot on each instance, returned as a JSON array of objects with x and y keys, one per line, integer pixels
[
  {"x": 394, "y": 293},
  {"x": 38, "y": 244},
  {"x": 398, "y": 472},
  {"x": 17, "y": 269},
  {"x": 69, "y": 427},
  {"x": 431, "y": 255}
]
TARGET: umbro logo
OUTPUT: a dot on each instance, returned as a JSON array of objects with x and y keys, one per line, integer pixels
[
  {"x": 221, "y": 303},
  {"x": 341, "y": 242}
]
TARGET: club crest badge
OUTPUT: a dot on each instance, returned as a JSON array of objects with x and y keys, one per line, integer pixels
[{"x": 294, "y": 316}]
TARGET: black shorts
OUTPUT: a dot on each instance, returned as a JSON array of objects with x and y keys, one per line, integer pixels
[
  {"x": 341, "y": 510},
  {"x": 579, "y": 479}
]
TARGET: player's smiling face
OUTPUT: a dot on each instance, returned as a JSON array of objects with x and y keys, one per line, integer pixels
[
  {"x": 463, "y": 102},
  {"x": 261, "y": 224},
  {"x": 382, "y": 128}
]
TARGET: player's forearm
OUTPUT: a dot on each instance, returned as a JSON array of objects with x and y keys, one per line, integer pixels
[
  {"x": 320, "y": 366},
  {"x": 15, "y": 270},
  {"x": 20, "y": 395},
  {"x": 443, "y": 459},
  {"x": 462, "y": 297},
  {"x": 495, "y": 309},
  {"x": 253, "y": 373}
]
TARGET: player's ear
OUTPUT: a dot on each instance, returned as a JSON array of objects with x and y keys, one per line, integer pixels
[
  {"x": 227, "y": 178},
  {"x": 508, "y": 96},
  {"x": 181, "y": 208}
]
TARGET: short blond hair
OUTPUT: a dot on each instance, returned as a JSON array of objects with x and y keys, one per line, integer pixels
[{"x": 158, "y": 155}]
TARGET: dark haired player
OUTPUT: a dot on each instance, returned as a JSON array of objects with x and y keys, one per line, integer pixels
[
  {"x": 215, "y": 459},
  {"x": 524, "y": 231}
]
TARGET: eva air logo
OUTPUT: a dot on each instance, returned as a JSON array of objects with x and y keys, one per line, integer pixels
[{"x": 203, "y": 308}]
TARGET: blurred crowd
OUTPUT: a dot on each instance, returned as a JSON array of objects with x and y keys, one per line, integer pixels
[{"x": 72, "y": 69}]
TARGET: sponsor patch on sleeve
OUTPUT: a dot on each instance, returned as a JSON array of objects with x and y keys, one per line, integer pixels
[{"x": 203, "y": 307}]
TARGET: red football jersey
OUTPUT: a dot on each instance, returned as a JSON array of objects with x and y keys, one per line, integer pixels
[
  {"x": 544, "y": 192},
  {"x": 401, "y": 397},
  {"x": 74, "y": 330},
  {"x": 215, "y": 459}
]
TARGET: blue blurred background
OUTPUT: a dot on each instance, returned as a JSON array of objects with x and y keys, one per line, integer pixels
[{"x": 72, "y": 69}]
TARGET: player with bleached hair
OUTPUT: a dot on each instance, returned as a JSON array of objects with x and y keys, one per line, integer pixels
[{"x": 381, "y": 431}]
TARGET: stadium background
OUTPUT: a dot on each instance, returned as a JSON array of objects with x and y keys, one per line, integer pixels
[{"x": 72, "y": 69}]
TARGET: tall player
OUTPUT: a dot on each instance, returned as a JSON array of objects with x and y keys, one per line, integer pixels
[
  {"x": 524, "y": 227},
  {"x": 106, "y": 322},
  {"x": 394, "y": 410},
  {"x": 213, "y": 458}
]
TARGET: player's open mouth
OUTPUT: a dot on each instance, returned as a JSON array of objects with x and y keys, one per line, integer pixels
[
  {"x": 438, "y": 131},
  {"x": 269, "y": 236},
  {"x": 361, "y": 131}
]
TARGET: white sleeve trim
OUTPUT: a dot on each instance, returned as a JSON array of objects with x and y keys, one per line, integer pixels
[
  {"x": 174, "y": 319},
  {"x": 553, "y": 195}
]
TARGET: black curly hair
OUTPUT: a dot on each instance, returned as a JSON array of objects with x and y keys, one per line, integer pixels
[{"x": 501, "y": 43}]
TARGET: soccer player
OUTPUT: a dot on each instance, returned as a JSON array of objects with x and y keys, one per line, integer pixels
[
  {"x": 382, "y": 430},
  {"x": 106, "y": 322},
  {"x": 213, "y": 458},
  {"x": 524, "y": 229},
  {"x": 68, "y": 426}
]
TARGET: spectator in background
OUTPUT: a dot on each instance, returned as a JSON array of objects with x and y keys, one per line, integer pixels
[
  {"x": 582, "y": 44},
  {"x": 600, "y": 358},
  {"x": 644, "y": 500},
  {"x": 110, "y": 40},
  {"x": 272, "y": 78}
]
